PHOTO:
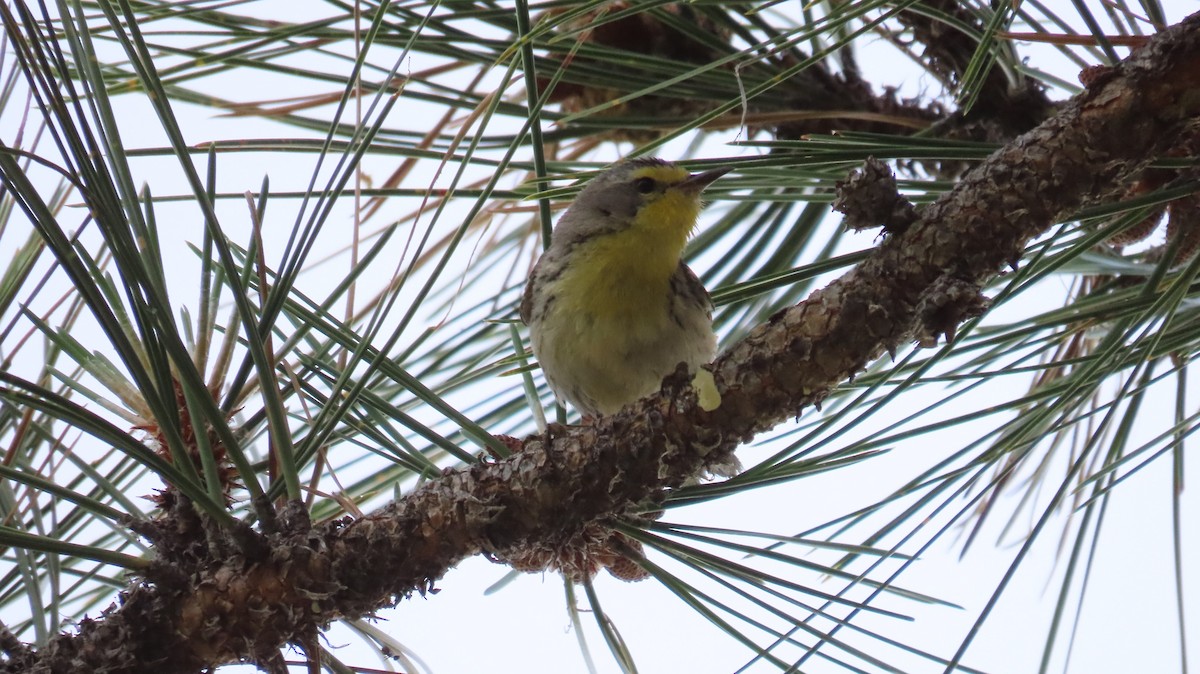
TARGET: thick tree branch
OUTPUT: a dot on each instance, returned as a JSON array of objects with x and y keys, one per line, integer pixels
[{"x": 547, "y": 493}]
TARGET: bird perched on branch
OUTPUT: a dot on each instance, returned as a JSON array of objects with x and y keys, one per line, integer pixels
[{"x": 611, "y": 307}]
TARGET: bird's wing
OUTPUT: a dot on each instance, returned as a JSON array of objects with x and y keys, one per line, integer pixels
[{"x": 526, "y": 309}]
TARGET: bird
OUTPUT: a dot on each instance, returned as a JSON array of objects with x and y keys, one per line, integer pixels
[{"x": 611, "y": 306}]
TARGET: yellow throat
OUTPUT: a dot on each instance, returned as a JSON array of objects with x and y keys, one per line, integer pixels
[{"x": 625, "y": 275}]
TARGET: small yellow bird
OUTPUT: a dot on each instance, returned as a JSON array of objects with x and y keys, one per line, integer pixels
[{"x": 611, "y": 307}]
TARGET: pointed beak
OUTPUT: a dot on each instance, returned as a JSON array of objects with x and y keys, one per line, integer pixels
[{"x": 698, "y": 181}]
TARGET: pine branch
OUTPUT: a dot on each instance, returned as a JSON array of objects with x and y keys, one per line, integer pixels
[{"x": 919, "y": 283}]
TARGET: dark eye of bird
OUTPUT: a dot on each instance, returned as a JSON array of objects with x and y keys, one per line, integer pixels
[{"x": 645, "y": 185}]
